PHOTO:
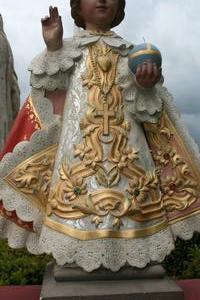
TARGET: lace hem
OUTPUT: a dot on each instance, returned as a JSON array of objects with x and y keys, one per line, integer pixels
[
  {"x": 18, "y": 237},
  {"x": 112, "y": 254}
]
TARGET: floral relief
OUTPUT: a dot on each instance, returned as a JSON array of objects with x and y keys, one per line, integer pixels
[
  {"x": 33, "y": 178},
  {"x": 179, "y": 186},
  {"x": 139, "y": 188}
]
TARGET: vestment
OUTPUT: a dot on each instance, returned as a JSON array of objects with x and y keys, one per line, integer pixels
[{"x": 116, "y": 179}]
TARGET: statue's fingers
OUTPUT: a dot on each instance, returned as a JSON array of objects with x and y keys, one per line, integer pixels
[
  {"x": 150, "y": 71},
  {"x": 55, "y": 14},
  {"x": 138, "y": 71},
  {"x": 157, "y": 72},
  {"x": 144, "y": 69},
  {"x": 45, "y": 20},
  {"x": 51, "y": 12}
]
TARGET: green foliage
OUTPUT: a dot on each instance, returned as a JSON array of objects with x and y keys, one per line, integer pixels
[
  {"x": 18, "y": 267},
  {"x": 184, "y": 261}
]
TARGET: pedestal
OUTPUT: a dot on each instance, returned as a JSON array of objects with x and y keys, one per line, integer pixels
[{"x": 72, "y": 283}]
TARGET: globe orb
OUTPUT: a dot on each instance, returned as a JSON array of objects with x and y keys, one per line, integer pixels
[{"x": 141, "y": 53}]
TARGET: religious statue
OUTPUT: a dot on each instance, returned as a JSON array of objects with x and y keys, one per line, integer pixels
[
  {"x": 98, "y": 168},
  {"x": 9, "y": 90}
]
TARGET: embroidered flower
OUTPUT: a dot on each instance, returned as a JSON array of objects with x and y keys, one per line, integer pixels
[
  {"x": 164, "y": 156},
  {"x": 139, "y": 187},
  {"x": 81, "y": 150},
  {"x": 128, "y": 154},
  {"x": 171, "y": 185},
  {"x": 46, "y": 182},
  {"x": 75, "y": 187}
]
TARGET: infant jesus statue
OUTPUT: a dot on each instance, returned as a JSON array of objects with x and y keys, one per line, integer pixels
[{"x": 98, "y": 169}]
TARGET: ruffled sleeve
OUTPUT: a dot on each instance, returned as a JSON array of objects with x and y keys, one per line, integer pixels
[
  {"x": 145, "y": 104},
  {"x": 51, "y": 70}
]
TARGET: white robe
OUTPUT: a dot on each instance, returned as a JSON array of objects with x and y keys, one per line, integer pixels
[{"x": 63, "y": 69}]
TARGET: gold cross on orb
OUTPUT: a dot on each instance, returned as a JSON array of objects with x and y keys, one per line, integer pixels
[{"x": 106, "y": 114}]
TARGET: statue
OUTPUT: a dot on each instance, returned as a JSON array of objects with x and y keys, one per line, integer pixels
[
  {"x": 98, "y": 168},
  {"x": 9, "y": 90}
]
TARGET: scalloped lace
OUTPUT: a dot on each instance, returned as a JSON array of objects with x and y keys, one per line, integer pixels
[
  {"x": 51, "y": 63},
  {"x": 113, "y": 254},
  {"x": 145, "y": 104},
  {"x": 50, "y": 70}
]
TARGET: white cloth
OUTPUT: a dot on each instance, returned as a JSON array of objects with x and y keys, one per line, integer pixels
[{"x": 63, "y": 69}]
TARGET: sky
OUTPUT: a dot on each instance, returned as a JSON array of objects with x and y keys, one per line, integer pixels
[{"x": 172, "y": 25}]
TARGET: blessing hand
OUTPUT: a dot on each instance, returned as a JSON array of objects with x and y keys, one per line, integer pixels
[
  {"x": 52, "y": 30},
  {"x": 148, "y": 74}
]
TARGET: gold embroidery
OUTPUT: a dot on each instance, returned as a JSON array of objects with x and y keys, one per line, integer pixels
[
  {"x": 91, "y": 235},
  {"x": 105, "y": 154},
  {"x": 105, "y": 114},
  {"x": 140, "y": 187},
  {"x": 34, "y": 117},
  {"x": 32, "y": 178},
  {"x": 179, "y": 177},
  {"x": 183, "y": 217}
]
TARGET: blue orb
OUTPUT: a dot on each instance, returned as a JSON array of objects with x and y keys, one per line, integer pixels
[{"x": 141, "y": 53}]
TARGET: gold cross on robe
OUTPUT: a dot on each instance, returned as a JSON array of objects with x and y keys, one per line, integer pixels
[{"x": 106, "y": 114}]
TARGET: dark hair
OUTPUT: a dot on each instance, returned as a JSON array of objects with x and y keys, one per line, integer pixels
[{"x": 75, "y": 8}]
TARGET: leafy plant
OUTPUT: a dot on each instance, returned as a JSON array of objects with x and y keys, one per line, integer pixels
[
  {"x": 19, "y": 267},
  {"x": 184, "y": 261}
]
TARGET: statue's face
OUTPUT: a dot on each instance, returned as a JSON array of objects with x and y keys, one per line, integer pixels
[{"x": 99, "y": 12}]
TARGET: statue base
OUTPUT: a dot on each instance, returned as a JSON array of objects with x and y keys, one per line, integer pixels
[{"x": 70, "y": 282}]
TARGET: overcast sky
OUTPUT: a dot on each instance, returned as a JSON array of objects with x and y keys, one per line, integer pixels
[{"x": 172, "y": 25}]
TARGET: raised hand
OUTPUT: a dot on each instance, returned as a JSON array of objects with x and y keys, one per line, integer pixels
[
  {"x": 148, "y": 74},
  {"x": 52, "y": 30}
]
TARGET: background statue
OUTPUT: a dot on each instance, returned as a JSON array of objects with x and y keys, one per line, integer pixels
[{"x": 9, "y": 90}]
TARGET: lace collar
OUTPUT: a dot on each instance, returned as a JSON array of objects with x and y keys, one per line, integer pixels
[{"x": 110, "y": 38}]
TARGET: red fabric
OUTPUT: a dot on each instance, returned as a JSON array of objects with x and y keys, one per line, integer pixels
[
  {"x": 57, "y": 98},
  {"x": 20, "y": 292},
  {"x": 12, "y": 216},
  {"x": 26, "y": 123},
  {"x": 24, "y": 126},
  {"x": 191, "y": 289}
]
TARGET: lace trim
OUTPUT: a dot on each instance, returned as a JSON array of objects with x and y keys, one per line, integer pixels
[
  {"x": 113, "y": 254},
  {"x": 50, "y": 70},
  {"x": 85, "y": 38},
  {"x": 50, "y": 83},
  {"x": 44, "y": 108},
  {"x": 51, "y": 62},
  {"x": 145, "y": 104},
  {"x": 18, "y": 237}
]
